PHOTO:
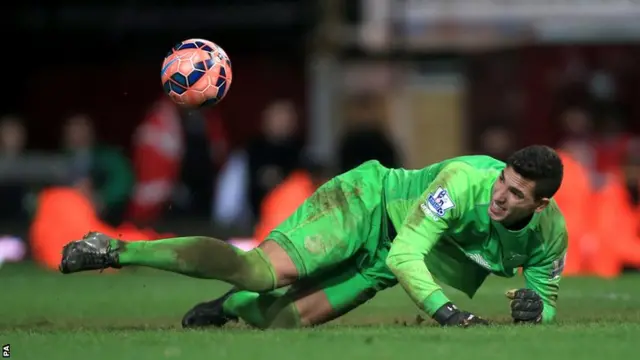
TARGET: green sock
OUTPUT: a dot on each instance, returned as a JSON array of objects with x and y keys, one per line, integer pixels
[
  {"x": 201, "y": 257},
  {"x": 267, "y": 310}
]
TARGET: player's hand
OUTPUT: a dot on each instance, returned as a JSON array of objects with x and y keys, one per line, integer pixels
[
  {"x": 450, "y": 315},
  {"x": 526, "y": 306}
]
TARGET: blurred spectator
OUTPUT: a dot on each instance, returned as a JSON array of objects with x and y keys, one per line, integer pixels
[
  {"x": 283, "y": 201},
  {"x": 204, "y": 151},
  {"x": 13, "y": 137},
  {"x": 365, "y": 137},
  {"x": 602, "y": 239},
  {"x": 231, "y": 201},
  {"x": 274, "y": 154},
  {"x": 157, "y": 149},
  {"x": 102, "y": 172},
  {"x": 613, "y": 143},
  {"x": 575, "y": 198},
  {"x": 578, "y": 140},
  {"x": 570, "y": 80},
  {"x": 64, "y": 214},
  {"x": 218, "y": 137},
  {"x": 497, "y": 141},
  {"x": 177, "y": 155}
]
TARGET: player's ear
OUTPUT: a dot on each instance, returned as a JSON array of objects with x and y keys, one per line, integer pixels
[{"x": 541, "y": 204}]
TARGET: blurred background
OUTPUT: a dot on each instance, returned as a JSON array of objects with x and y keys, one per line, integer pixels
[{"x": 89, "y": 141}]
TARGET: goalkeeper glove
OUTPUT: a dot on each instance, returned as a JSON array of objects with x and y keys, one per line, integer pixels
[
  {"x": 450, "y": 315},
  {"x": 526, "y": 306}
]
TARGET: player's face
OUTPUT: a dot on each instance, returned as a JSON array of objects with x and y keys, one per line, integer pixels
[{"x": 513, "y": 198}]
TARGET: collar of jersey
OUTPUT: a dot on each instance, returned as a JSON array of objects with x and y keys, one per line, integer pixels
[{"x": 531, "y": 225}]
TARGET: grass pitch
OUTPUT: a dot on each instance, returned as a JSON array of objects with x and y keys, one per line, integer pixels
[{"x": 135, "y": 315}]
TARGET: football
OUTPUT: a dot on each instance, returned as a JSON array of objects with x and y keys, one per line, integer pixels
[{"x": 196, "y": 73}]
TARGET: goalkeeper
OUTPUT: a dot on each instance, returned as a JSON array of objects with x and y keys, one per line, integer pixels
[{"x": 457, "y": 221}]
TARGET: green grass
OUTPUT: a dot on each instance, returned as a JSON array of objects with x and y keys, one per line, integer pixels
[{"x": 135, "y": 315}]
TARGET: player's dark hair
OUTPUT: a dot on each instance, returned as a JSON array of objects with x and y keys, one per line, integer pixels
[{"x": 541, "y": 164}]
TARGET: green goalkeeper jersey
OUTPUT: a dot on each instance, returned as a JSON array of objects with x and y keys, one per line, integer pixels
[{"x": 445, "y": 234}]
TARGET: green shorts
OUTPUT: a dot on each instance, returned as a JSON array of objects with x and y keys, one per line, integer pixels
[{"x": 340, "y": 236}]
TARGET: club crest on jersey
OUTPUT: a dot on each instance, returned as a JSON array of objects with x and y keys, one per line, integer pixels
[{"x": 438, "y": 202}]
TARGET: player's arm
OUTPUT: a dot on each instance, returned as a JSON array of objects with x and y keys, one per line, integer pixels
[
  {"x": 537, "y": 302},
  {"x": 427, "y": 221}
]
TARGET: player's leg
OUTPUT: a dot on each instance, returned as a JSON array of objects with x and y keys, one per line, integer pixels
[
  {"x": 333, "y": 297},
  {"x": 307, "y": 257},
  {"x": 307, "y": 303},
  {"x": 261, "y": 269},
  {"x": 310, "y": 301},
  {"x": 309, "y": 246},
  {"x": 314, "y": 238},
  {"x": 339, "y": 223}
]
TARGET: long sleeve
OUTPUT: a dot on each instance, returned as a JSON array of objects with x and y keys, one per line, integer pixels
[
  {"x": 544, "y": 277},
  {"x": 429, "y": 218}
]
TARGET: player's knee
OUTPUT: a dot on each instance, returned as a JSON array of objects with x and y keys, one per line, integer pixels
[
  {"x": 285, "y": 269},
  {"x": 265, "y": 268},
  {"x": 255, "y": 272}
]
